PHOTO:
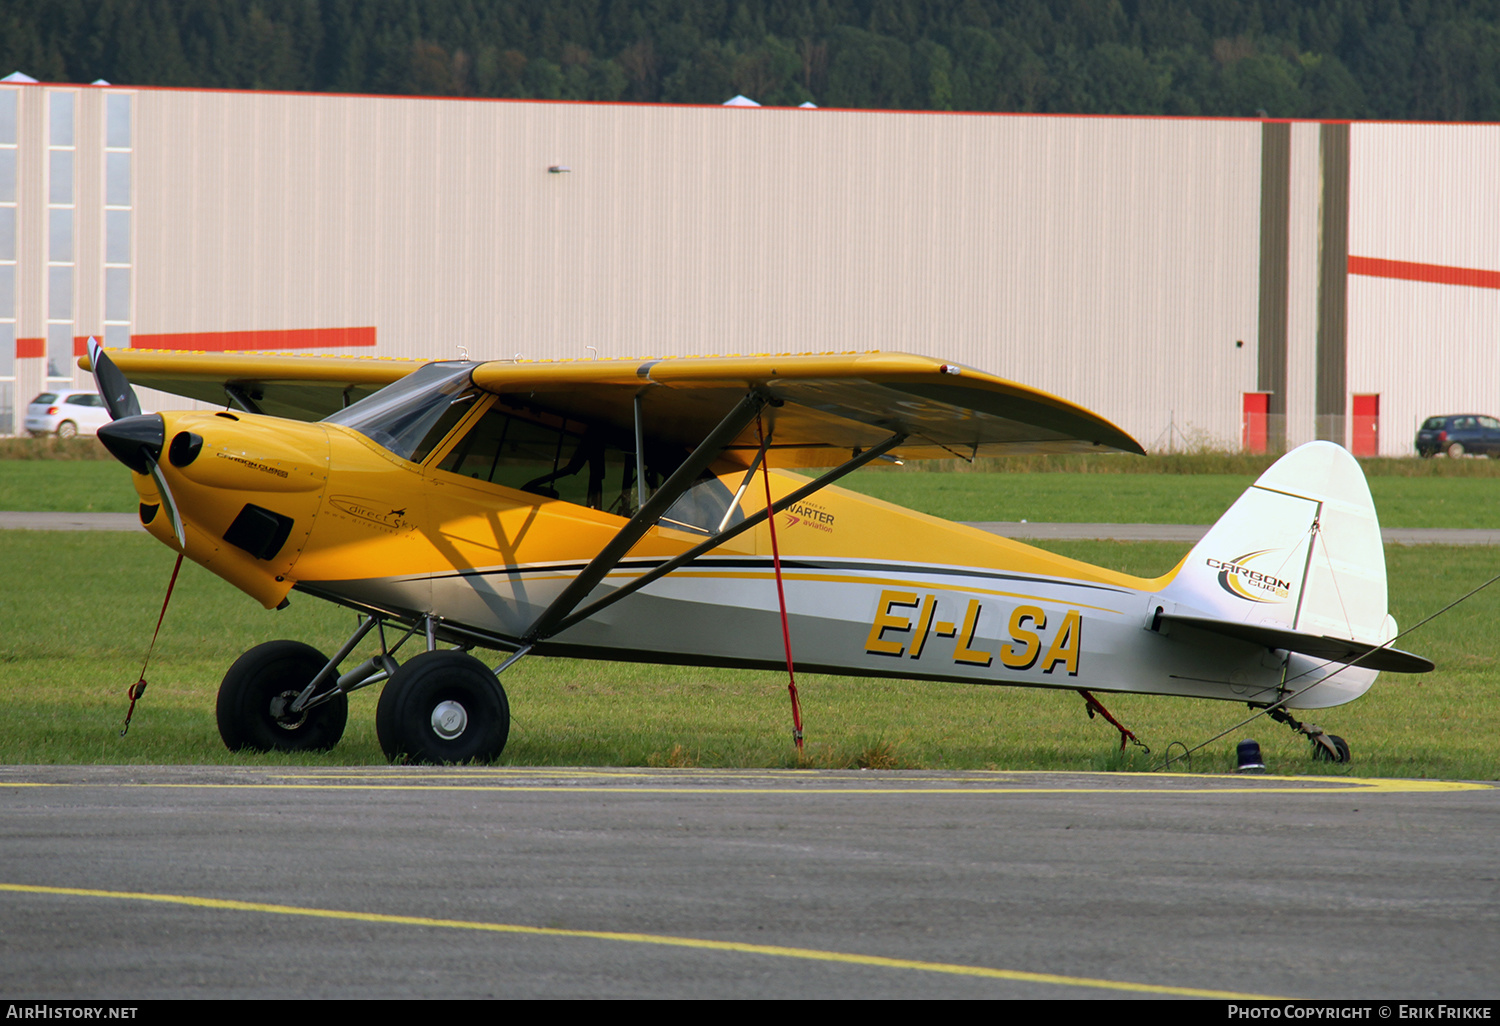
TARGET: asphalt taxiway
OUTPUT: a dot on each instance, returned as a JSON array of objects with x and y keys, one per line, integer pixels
[{"x": 182, "y": 882}]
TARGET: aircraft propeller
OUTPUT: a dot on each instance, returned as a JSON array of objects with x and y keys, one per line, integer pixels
[{"x": 133, "y": 438}]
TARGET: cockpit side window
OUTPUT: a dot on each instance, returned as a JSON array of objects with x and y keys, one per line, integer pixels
[
  {"x": 560, "y": 460},
  {"x": 579, "y": 463}
]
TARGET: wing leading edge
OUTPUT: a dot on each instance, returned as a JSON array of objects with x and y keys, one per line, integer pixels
[{"x": 300, "y": 387}]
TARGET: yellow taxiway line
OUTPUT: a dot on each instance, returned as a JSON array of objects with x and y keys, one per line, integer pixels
[
  {"x": 635, "y": 783},
  {"x": 770, "y": 950}
]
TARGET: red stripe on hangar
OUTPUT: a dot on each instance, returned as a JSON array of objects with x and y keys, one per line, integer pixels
[
  {"x": 239, "y": 341},
  {"x": 1439, "y": 274}
]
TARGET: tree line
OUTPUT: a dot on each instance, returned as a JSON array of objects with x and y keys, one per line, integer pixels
[{"x": 1396, "y": 59}]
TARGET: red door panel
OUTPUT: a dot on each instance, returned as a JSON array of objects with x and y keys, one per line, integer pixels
[
  {"x": 1256, "y": 406},
  {"x": 1364, "y": 437}
]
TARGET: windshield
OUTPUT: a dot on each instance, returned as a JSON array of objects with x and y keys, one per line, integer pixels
[{"x": 401, "y": 416}]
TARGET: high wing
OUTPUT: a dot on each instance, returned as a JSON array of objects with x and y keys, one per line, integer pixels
[
  {"x": 823, "y": 407},
  {"x": 829, "y": 404}
]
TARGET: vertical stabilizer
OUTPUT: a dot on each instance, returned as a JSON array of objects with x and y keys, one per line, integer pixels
[{"x": 1299, "y": 551}]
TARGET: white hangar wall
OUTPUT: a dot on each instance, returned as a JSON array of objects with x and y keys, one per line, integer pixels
[
  {"x": 1424, "y": 287},
  {"x": 1074, "y": 254},
  {"x": 1153, "y": 269}
]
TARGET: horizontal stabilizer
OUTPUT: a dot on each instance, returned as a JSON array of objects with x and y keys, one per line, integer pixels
[{"x": 1342, "y": 650}]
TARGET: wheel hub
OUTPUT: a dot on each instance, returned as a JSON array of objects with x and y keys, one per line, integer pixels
[
  {"x": 281, "y": 706},
  {"x": 449, "y": 720}
]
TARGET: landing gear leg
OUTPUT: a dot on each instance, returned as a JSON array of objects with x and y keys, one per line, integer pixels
[
  {"x": 1326, "y": 747},
  {"x": 287, "y": 696},
  {"x": 1126, "y": 734}
]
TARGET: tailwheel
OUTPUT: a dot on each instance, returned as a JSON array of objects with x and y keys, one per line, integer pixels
[
  {"x": 255, "y": 701},
  {"x": 1329, "y": 747},
  {"x": 1326, "y": 747},
  {"x": 443, "y": 707}
]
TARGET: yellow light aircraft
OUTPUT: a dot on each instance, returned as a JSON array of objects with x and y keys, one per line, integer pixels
[{"x": 617, "y": 509}]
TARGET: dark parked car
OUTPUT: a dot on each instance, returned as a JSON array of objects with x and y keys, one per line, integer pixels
[{"x": 1459, "y": 433}]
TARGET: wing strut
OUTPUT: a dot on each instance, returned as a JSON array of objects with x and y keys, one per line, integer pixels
[
  {"x": 239, "y": 397},
  {"x": 869, "y": 455},
  {"x": 683, "y": 478}
]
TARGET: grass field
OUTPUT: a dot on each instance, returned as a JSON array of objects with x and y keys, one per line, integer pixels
[
  {"x": 78, "y": 609},
  {"x": 75, "y": 637}
]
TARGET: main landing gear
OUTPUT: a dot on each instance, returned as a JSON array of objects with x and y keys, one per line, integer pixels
[
  {"x": 437, "y": 707},
  {"x": 1326, "y": 747},
  {"x": 443, "y": 707},
  {"x": 257, "y": 706}
]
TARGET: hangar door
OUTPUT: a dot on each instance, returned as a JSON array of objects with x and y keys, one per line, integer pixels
[{"x": 1364, "y": 438}]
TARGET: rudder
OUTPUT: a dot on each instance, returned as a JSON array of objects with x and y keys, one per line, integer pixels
[{"x": 1300, "y": 551}]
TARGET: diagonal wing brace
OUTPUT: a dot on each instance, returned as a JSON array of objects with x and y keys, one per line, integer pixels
[
  {"x": 547, "y": 624},
  {"x": 661, "y": 571}
]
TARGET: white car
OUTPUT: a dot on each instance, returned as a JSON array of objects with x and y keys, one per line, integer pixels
[{"x": 66, "y": 413}]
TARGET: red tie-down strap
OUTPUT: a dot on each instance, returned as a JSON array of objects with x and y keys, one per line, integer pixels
[
  {"x": 786, "y": 633},
  {"x": 136, "y": 690}
]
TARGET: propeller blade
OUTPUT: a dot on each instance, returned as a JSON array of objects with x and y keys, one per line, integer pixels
[
  {"x": 168, "y": 504},
  {"x": 119, "y": 397},
  {"x": 136, "y": 443}
]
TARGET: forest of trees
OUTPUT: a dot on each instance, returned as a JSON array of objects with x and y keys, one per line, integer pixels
[{"x": 1401, "y": 59}]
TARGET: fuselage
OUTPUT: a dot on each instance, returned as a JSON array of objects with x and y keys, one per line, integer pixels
[{"x": 871, "y": 589}]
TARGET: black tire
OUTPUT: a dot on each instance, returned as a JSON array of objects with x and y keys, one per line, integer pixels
[
  {"x": 443, "y": 708},
  {"x": 1456, "y": 450},
  {"x": 1340, "y": 753},
  {"x": 256, "y": 688},
  {"x": 67, "y": 429}
]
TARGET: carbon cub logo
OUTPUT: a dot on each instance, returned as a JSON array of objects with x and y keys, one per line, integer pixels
[{"x": 1238, "y": 577}]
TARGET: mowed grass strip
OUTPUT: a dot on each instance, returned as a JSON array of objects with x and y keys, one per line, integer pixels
[
  {"x": 66, "y": 486},
  {"x": 1087, "y": 498},
  {"x": 1059, "y": 496},
  {"x": 79, "y": 608}
]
